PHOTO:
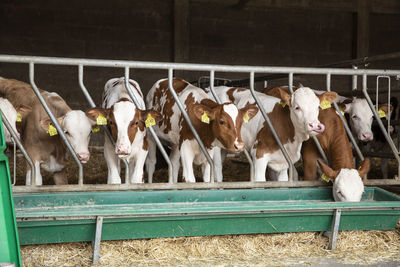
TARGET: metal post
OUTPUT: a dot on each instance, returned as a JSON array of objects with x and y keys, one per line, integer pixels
[
  {"x": 21, "y": 147},
  {"x": 97, "y": 239},
  {"x": 387, "y": 137},
  {"x": 218, "y": 100},
  {"x": 271, "y": 127},
  {"x": 354, "y": 79},
  {"x": 54, "y": 120},
  {"x": 335, "y": 229},
  {"x": 187, "y": 119},
  {"x": 377, "y": 98},
  {"x": 93, "y": 105},
  {"x": 150, "y": 129},
  {"x": 15, "y": 162}
]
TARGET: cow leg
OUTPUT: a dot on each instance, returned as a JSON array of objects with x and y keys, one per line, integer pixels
[
  {"x": 283, "y": 175},
  {"x": 309, "y": 157},
  {"x": 60, "y": 178},
  {"x": 260, "y": 166},
  {"x": 187, "y": 157},
  {"x": 174, "y": 157},
  {"x": 112, "y": 163},
  {"x": 218, "y": 160},
  {"x": 151, "y": 158},
  {"x": 384, "y": 168},
  {"x": 136, "y": 167}
]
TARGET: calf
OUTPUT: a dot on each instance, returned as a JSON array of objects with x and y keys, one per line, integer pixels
[
  {"x": 294, "y": 117},
  {"x": 127, "y": 124},
  {"x": 38, "y": 135},
  {"x": 218, "y": 125},
  {"x": 13, "y": 115},
  {"x": 347, "y": 184}
]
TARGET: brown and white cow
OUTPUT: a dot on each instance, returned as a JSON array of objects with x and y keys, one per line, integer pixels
[
  {"x": 126, "y": 123},
  {"x": 48, "y": 152},
  {"x": 294, "y": 117},
  {"x": 218, "y": 125}
]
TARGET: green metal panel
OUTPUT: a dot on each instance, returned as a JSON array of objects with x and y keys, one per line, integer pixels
[
  {"x": 9, "y": 243},
  {"x": 70, "y": 217}
]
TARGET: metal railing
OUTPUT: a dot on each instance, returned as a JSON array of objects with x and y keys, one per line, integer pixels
[{"x": 170, "y": 67}]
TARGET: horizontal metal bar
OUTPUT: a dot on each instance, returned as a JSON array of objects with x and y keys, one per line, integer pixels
[{"x": 188, "y": 66}]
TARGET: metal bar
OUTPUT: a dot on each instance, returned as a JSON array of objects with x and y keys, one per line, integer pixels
[
  {"x": 187, "y": 66},
  {"x": 271, "y": 127},
  {"x": 335, "y": 229},
  {"x": 378, "y": 119},
  {"x": 218, "y": 100},
  {"x": 354, "y": 80},
  {"x": 93, "y": 105},
  {"x": 97, "y": 239},
  {"x": 21, "y": 147},
  {"x": 377, "y": 99},
  {"x": 54, "y": 120},
  {"x": 150, "y": 129},
  {"x": 187, "y": 119},
  {"x": 183, "y": 186}
]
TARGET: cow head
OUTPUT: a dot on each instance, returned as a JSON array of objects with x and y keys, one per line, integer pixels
[
  {"x": 124, "y": 121},
  {"x": 226, "y": 121},
  {"x": 77, "y": 127},
  {"x": 11, "y": 115},
  {"x": 347, "y": 183},
  {"x": 304, "y": 108}
]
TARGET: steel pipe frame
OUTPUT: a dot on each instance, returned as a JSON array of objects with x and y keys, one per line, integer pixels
[
  {"x": 151, "y": 130},
  {"x": 54, "y": 120},
  {"x": 92, "y": 104},
  {"x": 21, "y": 147},
  {"x": 377, "y": 98}
]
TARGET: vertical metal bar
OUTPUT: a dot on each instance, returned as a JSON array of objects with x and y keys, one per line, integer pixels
[
  {"x": 218, "y": 100},
  {"x": 343, "y": 119},
  {"x": 377, "y": 98},
  {"x": 187, "y": 119},
  {"x": 150, "y": 129},
  {"x": 54, "y": 120},
  {"x": 93, "y": 105},
  {"x": 15, "y": 162},
  {"x": 387, "y": 137},
  {"x": 354, "y": 80},
  {"x": 271, "y": 127},
  {"x": 291, "y": 82},
  {"x": 97, "y": 239},
  {"x": 335, "y": 229},
  {"x": 21, "y": 147}
]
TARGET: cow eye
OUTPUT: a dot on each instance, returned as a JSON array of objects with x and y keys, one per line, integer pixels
[
  {"x": 137, "y": 122},
  {"x": 297, "y": 108},
  {"x": 111, "y": 123},
  {"x": 355, "y": 117},
  {"x": 221, "y": 122}
]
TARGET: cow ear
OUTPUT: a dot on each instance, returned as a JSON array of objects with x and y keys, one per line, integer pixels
[
  {"x": 93, "y": 113},
  {"x": 385, "y": 108},
  {"x": 279, "y": 92},
  {"x": 203, "y": 113},
  {"x": 346, "y": 105},
  {"x": 249, "y": 112},
  {"x": 144, "y": 114},
  {"x": 328, "y": 96},
  {"x": 46, "y": 122},
  {"x": 364, "y": 168},
  {"x": 331, "y": 174},
  {"x": 23, "y": 110}
]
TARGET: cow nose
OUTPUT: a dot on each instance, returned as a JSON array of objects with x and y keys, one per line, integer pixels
[
  {"x": 83, "y": 157},
  {"x": 316, "y": 127},
  {"x": 239, "y": 146},
  {"x": 122, "y": 150},
  {"x": 367, "y": 136}
]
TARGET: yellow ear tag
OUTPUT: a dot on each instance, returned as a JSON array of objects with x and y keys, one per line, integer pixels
[
  {"x": 101, "y": 120},
  {"x": 381, "y": 113},
  {"x": 96, "y": 129},
  {"x": 52, "y": 130},
  {"x": 325, "y": 178},
  {"x": 150, "y": 121},
  {"x": 283, "y": 104},
  {"x": 246, "y": 117},
  {"x": 325, "y": 104},
  {"x": 205, "y": 118},
  {"x": 19, "y": 117}
]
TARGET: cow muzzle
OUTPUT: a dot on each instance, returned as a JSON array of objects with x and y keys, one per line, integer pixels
[
  {"x": 83, "y": 157},
  {"x": 315, "y": 128},
  {"x": 366, "y": 136},
  {"x": 122, "y": 151},
  {"x": 238, "y": 146}
]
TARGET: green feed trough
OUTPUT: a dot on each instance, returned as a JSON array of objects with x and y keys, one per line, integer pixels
[{"x": 71, "y": 217}]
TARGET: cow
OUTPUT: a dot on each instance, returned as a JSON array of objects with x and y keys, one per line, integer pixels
[
  {"x": 40, "y": 138},
  {"x": 294, "y": 117},
  {"x": 13, "y": 115},
  {"x": 218, "y": 125},
  {"x": 347, "y": 184},
  {"x": 127, "y": 124}
]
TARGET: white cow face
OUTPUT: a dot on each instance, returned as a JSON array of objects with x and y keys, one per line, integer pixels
[
  {"x": 347, "y": 183},
  {"x": 78, "y": 128},
  {"x": 10, "y": 113},
  {"x": 304, "y": 109}
]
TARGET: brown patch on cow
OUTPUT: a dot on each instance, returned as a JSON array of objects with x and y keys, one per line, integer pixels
[
  {"x": 17, "y": 92},
  {"x": 123, "y": 99},
  {"x": 233, "y": 90},
  {"x": 280, "y": 119},
  {"x": 334, "y": 142},
  {"x": 145, "y": 144}
]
